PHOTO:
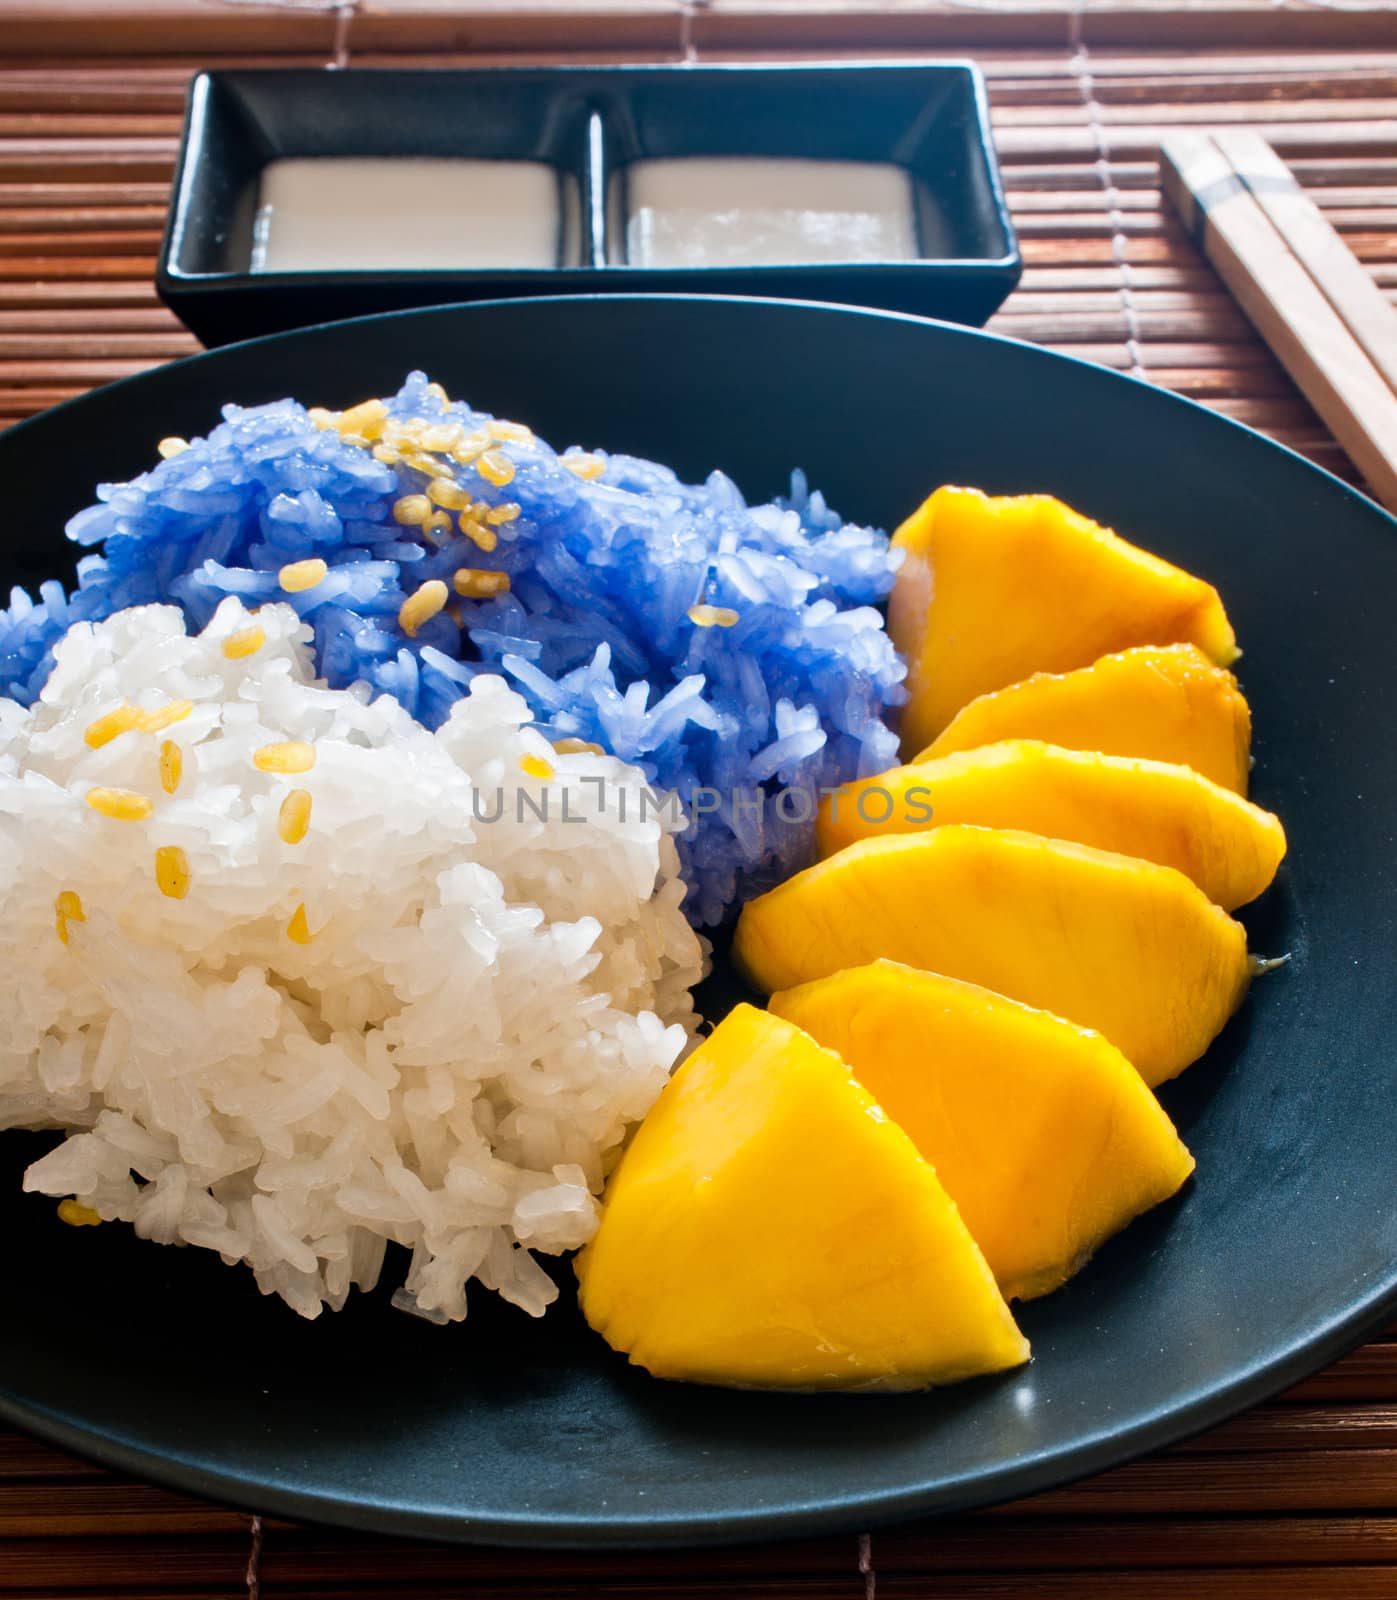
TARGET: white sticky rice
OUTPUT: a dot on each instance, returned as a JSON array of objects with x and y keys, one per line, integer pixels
[{"x": 453, "y": 1059}]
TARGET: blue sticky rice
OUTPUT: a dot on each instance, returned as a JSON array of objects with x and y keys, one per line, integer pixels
[{"x": 744, "y": 723}]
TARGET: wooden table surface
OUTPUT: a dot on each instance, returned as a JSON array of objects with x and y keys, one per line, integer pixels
[{"x": 1297, "y": 1498}]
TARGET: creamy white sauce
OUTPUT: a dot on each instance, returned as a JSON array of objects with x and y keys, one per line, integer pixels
[
  {"x": 747, "y": 211},
  {"x": 342, "y": 213}
]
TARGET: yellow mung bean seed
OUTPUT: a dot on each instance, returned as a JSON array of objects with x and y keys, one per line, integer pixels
[
  {"x": 712, "y": 616},
  {"x": 421, "y": 606},
  {"x": 496, "y": 467},
  {"x": 102, "y": 730},
  {"x": 67, "y": 907},
  {"x": 471, "y": 448},
  {"x": 172, "y": 871},
  {"x": 293, "y": 820},
  {"x": 171, "y": 766},
  {"x": 291, "y": 755},
  {"x": 365, "y": 420},
  {"x": 122, "y": 805},
  {"x": 297, "y": 576},
  {"x": 446, "y": 492},
  {"x": 475, "y": 583},
  {"x": 440, "y": 436},
  {"x": 412, "y": 510},
  {"x": 165, "y": 716},
  {"x": 482, "y": 537},
  {"x": 243, "y": 643},
  {"x": 510, "y": 432}
]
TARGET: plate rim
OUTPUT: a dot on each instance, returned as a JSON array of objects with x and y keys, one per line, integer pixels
[
  {"x": 1024, "y": 1476},
  {"x": 778, "y": 302},
  {"x": 997, "y": 1485}
]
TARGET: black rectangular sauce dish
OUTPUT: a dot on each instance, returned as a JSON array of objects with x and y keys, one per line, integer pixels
[{"x": 591, "y": 125}]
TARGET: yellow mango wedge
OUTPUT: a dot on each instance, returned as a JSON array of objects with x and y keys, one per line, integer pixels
[
  {"x": 1162, "y": 702},
  {"x": 992, "y": 589},
  {"x": 1165, "y": 813},
  {"x": 769, "y": 1227},
  {"x": 1042, "y": 1133},
  {"x": 1124, "y": 946}
]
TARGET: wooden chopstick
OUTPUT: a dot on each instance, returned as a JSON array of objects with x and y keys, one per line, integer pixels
[
  {"x": 1316, "y": 245},
  {"x": 1293, "y": 314}
]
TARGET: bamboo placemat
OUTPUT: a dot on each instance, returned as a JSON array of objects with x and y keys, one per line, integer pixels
[{"x": 1294, "y": 1499}]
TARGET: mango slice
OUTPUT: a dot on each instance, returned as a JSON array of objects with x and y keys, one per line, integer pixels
[
  {"x": 1163, "y": 702},
  {"x": 1041, "y": 1132},
  {"x": 1165, "y": 813},
  {"x": 993, "y": 589},
  {"x": 1127, "y": 947},
  {"x": 769, "y": 1227}
]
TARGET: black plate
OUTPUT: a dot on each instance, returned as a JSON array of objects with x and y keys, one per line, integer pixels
[{"x": 1277, "y": 1257}]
